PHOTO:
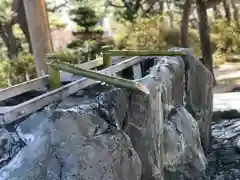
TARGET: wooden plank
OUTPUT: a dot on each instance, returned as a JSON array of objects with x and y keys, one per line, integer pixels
[
  {"x": 122, "y": 65},
  {"x": 37, "y": 20},
  {"x": 40, "y": 82},
  {"x": 65, "y": 76},
  {"x": 137, "y": 71},
  {"x": 4, "y": 109},
  {"x": 91, "y": 64},
  {"x": 37, "y": 83},
  {"x": 28, "y": 107}
]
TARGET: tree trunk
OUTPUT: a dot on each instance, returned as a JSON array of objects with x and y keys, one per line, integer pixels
[
  {"x": 235, "y": 13},
  {"x": 18, "y": 7},
  {"x": 204, "y": 35},
  {"x": 184, "y": 23},
  {"x": 170, "y": 14},
  {"x": 161, "y": 7},
  {"x": 217, "y": 13},
  {"x": 10, "y": 41},
  {"x": 227, "y": 10},
  {"x": 40, "y": 36}
]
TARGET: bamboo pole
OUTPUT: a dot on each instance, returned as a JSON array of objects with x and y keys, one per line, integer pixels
[
  {"x": 107, "y": 59},
  {"x": 117, "y": 81},
  {"x": 143, "y": 53},
  {"x": 54, "y": 77}
]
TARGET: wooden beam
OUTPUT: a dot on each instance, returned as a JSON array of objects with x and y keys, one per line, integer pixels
[
  {"x": 38, "y": 26},
  {"x": 91, "y": 64},
  {"x": 18, "y": 89},
  {"x": 40, "y": 82},
  {"x": 112, "y": 80},
  {"x": 31, "y": 106}
]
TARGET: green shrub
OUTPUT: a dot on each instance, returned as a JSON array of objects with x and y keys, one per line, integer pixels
[
  {"x": 226, "y": 37},
  {"x": 219, "y": 58},
  {"x": 144, "y": 34},
  {"x": 154, "y": 34},
  {"x": 17, "y": 71},
  {"x": 194, "y": 41},
  {"x": 87, "y": 49}
]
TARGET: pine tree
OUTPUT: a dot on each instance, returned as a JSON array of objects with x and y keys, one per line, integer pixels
[
  {"x": 88, "y": 36},
  {"x": 85, "y": 17}
]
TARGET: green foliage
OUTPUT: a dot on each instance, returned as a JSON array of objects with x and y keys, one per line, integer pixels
[
  {"x": 88, "y": 49},
  {"x": 17, "y": 71},
  {"x": 55, "y": 21},
  {"x": 130, "y": 11},
  {"x": 144, "y": 34},
  {"x": 194, "y": 41},
  {"x": 5, "y": 11},
  {"x": 154, "y": 34},
  {"x": 225, "y": 40},
  {"x": 226, "y": 37},
  {"x": 84, "y": 17},
  {"x": 89, "y": 37},
  {"x": 93, "y": 31},
  {"x": 219, "y": 58}
]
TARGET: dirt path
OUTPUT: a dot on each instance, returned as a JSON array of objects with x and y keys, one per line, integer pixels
[{"x": 228, "y": 77}]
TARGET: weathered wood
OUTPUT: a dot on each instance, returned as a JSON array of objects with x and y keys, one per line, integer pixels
[
  {"x": 40, "y": 82},
  {"x": 91, "y": 64},
  {"x": 38, "y": 26},
  {"x": 54, "y": 77},
  {"x": 31, "y": 106},
  {"x": 107, "y": 59},
  {"x": 117, "y": 81},
  {"x": 37, "y": 83},
  {"x": 137, "y": 71}
]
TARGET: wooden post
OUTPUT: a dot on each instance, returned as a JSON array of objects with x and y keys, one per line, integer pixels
[
  {"x": 54, "y": 77},
  {"x": 107, "y": 59},
  {"x": 40, "y": 37}
]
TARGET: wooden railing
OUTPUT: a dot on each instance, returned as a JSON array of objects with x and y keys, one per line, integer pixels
[{"x": 12, "y": 113}]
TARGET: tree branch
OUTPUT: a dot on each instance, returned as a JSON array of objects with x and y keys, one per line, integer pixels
[
  {"x": 150, "y": 8},
  {"x": 127, "y": 4},
  {"x": 110, "y": 3},
  {"x": 137, "y": 5},
  {"x": 54, "y": 9}
]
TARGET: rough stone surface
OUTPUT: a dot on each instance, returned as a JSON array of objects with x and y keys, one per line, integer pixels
[
  {"x": 111, "y": 133},
  {"x": 73, "y": 142},
  {"x": 224, "y": 154},
  {"x": 199, "y": 96}
]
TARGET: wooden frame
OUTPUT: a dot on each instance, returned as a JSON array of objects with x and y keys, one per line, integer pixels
[
  {"x": 18, "y": 89},
  {"x": 137, "y": 70},
  {"x": 40, "y": 83},
  {"x": 10, "y": 114}
]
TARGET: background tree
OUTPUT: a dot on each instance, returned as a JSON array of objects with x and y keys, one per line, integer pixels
[
  {"x": 184, "y": 22},
  {"x": 85, "y": 17},
  {"x": 6, "y": 28},
  {"x": 204, "y": 35},
  {"x": 226, "y": 5},
  {"x": 88, "y": 36},
  {"x": 129, "y": 11},
  {"x": 235, "y": 13}
]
